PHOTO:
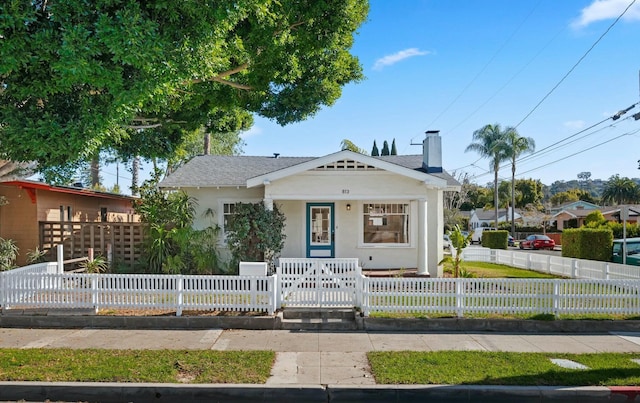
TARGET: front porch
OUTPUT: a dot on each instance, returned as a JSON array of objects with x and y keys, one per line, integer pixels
[{"x": 381, "y": 234}]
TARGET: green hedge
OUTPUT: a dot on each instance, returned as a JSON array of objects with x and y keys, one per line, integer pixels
[
  {"x": 495, "y": 239},
  {"x": 587, "y": 243}
]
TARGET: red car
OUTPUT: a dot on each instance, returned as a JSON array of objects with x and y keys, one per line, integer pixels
[{"x": 538, "y": 242}]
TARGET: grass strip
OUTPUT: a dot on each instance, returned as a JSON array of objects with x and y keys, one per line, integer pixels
[
  {"x": 162, "y": 366},
  {"x": 493, "y": 270},
  {"x": 502, "y": 368}
]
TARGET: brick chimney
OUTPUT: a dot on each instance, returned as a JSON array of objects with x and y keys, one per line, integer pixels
[{"x": 432, "y": 152}]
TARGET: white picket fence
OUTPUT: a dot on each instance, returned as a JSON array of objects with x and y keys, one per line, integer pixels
[
  {"x": 596, "y": 288},
  {"x": 141, "y": 292},
  {"x": 556, "y": 265},
  {"x": 463, "y": 296}
]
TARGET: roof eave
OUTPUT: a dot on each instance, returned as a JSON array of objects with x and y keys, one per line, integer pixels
[{"x": 429, "y": 180}]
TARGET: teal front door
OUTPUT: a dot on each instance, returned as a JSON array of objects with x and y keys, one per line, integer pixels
[{"x": 320, "y": 230}]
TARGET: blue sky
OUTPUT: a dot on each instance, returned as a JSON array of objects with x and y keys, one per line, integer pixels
[{"x": 456, "y": 66}]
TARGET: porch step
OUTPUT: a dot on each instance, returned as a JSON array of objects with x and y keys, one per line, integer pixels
[
  {"x": 318, "y": 319},
  {"x": 317, "y": 313}
]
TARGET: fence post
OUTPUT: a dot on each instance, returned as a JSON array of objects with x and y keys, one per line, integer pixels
[
  {"x": 60, "y": 258},
  {"x": 556, "y": 298},
  {"x": 179, "y": 287},
  {"x": 459, "y": 297},
  {"x": 275, "y": 303},
  {"x": 94, "y": 291},
  {"x": 365, "y": 295},
  {"x": 549, "y": 264},
  {"x": 253, "y": 292},
  {"x": 574, "y": 268},
  {"x": 606, "y": 271}
]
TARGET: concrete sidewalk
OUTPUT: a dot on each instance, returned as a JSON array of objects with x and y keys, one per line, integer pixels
[
  {"x": 317, "y": 357},
  {"x": 313, "y": 365}
]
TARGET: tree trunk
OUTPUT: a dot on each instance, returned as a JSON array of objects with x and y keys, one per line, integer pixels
[
  {"x": 95, "y": 172},
  {"x": 513, "y": 198},
  {"x": 495, "y": 196},
  {"x": 207, "y": 144},
  {"x": 135, "y": 171}
]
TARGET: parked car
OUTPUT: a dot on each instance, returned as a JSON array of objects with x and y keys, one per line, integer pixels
[
  {"x": 511, "y": 241},
  {"x": 446, "y": 242},
  {"x": 633, "y": 251},
  {"x": 538, "y": 242}
]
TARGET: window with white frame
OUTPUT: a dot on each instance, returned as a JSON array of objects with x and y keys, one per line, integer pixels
[
  {"x": 386, "y": 223},
  {"x": 228, "y": 210}
]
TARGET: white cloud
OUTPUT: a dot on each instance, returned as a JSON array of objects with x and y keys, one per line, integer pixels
[
  {"x": 254, "y": 131},
  {"x": 397, "y": 57},
  {"x": 574, "y": 124},
  {"x": 606, "y": 10}
]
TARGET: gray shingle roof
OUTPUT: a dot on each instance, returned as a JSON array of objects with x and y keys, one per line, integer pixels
[{"x": 224, "y": 170}]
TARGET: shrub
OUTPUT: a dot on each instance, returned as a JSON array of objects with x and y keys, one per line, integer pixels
[
  {"x": 98, "y": 265},
  {"x": 256, "y": 234},
  {"x": 594, "y": 219},
  {"x": 495, "y": 239},
  {"x": 587, "y": 243},
  {"x": 8, "y": 254}
]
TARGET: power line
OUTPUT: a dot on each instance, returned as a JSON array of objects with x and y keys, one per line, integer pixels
[
  {"x": 506, "y": 84},
  {"x": 545, "y": 150},
  {"x": 581, "y": 151},
  {"x": 577, "y": 63},
  {"x": 474, "y": 79}
]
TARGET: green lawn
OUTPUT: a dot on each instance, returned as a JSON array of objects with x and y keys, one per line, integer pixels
[
  {"x": 502, "y": 368},
  {"x": 163, "y": 366},
  {"x": 492, "y": 270}
]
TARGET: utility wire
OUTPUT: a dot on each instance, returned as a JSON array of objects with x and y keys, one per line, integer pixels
[
  {"x": 475, "y": 78},
  {"x": 506, "y": 84},
  {"x": 581, "y": 151},
  {"x": 539, "y": 153},
  {"x": 577, "y": 63}
]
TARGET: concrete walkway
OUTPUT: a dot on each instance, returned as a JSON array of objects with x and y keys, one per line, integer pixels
[{"x": 314, "y": 357}]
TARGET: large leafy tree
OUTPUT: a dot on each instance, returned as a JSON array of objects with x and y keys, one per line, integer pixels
[
  {"x": 529, "y": 192},
  {"x": 516, "y": 145},
  {"x": 76, "y": 76},
  {"x": 489, "y": 142},
  {"x": 347, "y": 144},
  {"x": 620, "y": 190}
]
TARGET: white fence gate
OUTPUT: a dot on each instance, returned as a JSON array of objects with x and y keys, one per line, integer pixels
[{"x": 319, "y": 282}]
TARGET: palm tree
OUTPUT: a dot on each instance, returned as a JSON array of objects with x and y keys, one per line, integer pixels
[
  {"x": 620, "y": 190},
  {"x": 515, "y": 147},
  {"x": 490, "y": 143}
]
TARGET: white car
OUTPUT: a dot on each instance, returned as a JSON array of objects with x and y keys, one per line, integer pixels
[{"x": 446, "y": 242}]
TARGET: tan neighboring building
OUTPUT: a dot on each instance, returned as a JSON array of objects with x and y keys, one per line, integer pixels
[
  {"x": 33, "y": 206},
  {"x": 564, "y": 217}
]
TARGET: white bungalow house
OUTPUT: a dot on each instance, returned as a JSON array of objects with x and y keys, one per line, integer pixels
[
  {"x": 385, "y": 211},
  {"x": 486, "y": 218}
]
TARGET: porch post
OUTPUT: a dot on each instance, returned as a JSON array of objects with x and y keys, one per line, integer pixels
[
  {"x": 423, "y": 268},
  {"x": 268, "y": 203}
]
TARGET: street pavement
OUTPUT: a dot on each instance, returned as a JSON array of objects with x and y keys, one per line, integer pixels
[{"x": 317, "y": 357}]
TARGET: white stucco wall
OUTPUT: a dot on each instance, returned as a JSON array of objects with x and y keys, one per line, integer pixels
[{"x": 293, "y": 193}]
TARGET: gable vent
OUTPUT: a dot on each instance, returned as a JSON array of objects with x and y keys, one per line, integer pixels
[{"x": 346, "y": 165}]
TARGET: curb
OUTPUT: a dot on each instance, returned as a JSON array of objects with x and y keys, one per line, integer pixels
[
  {"x": 65, "y": 321},
  {"x": 61, "y": 321},
  {"x": 150, "y": 392}
]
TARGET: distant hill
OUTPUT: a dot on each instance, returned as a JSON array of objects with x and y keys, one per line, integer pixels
[{"x": 593, "y": 186}]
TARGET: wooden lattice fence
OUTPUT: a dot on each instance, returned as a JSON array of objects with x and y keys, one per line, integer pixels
[{"x": 119, "y": 242}]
